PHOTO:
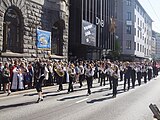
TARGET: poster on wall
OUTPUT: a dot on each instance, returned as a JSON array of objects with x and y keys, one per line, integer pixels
[
  {"x": 88, "y": 33},
  {"x": 43, "y": 39}
]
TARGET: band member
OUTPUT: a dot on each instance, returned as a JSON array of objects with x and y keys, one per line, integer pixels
[
  {"x": 89, "y": 76},
  {"x": 114, "y": 77},
  {"x": 81, "y": 76},
  {"x": 72, "y": 74},
  {"x": 144, "y": 73},
  {"x": 149, "y": 72},
  {"x": 139, "y": 74},
  {"x": 60, "y": 72},
  {"x": 121, "y": 72},
  {"x": 133, "y": 75},
  {"x": 103, "y": 73},
  {"x": 127, "y": 75},
  {"x": 39, "y": 76}
]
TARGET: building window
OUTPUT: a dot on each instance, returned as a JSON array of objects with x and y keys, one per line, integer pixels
[
  {"x": 134, "y": 45},
  {"x": 140, "y": 48},
  {"x": 128, "y": 2},
  {"x": 128, "y": 15},
  {"x": 138, "y": 33},
  {"x": 128, "y": 44},
  {"x": 128, "y": 29},
  {"x": 138, "y": 21},
  {"x": 137, "y": 46}
]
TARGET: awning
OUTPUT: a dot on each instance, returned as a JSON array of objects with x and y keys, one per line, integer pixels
[
  {"x": 57, "y": 57},
  {"x": 12, "y": 54}
]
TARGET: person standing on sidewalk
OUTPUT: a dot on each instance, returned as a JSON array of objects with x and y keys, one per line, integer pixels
[
  {"x": 6, "y": 78},
  {"x": 1, "y": 69}
]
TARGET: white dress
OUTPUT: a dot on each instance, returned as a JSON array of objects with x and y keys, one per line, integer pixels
[
  {"x": 14, "y": 81},
  {"x": 20, "y": 80}
]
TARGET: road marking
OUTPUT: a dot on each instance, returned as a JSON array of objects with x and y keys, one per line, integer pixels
[{"x": 82, "y": 100}]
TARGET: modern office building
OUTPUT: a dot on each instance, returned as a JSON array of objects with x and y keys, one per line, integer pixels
[
  {"x": 134, "y": 29},
  {"x": 19, "y": 21},
  {"x": 89, "y": 34}
]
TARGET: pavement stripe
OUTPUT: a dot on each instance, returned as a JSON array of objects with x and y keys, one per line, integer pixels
[{"x": 82, "y": 100}]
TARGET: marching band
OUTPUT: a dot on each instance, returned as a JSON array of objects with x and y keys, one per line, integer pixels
[{"x": 78, "y": 71}]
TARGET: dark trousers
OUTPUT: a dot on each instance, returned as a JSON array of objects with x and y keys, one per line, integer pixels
[
  {"x": 133, "y": 78},
  {"x": 115, "y": 84},
  {"x": 70, "y": 87},
  {"x": 81, "y": 78},
  {"x": 149, "y": 74},
  {"x": 110, "y": 82},
  {"x": 145, "y": 77},
  {"x": 126, "y": 79},
  {"x": 60, "y": 82},
  {"x": 139, "y": 76},
  {"x": 121, "y": 75},
  {"x": 102, "y": 80},
  {"x": 89, "y": 82}
]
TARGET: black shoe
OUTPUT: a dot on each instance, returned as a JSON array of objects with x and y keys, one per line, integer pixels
[
  {"x": 38, "y": 100},
  {"x": 41, "y": 99},
  {"x": 114, "y": 96},
  {"x": 8, "y": 94}
]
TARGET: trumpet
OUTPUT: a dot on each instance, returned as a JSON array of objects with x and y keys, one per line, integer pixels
[{"x": 59, "y": 72}]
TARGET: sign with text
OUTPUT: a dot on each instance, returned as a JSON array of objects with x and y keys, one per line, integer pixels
[
  {"x": 43, "y": 39},
  {"x": 88, "y": 33}
]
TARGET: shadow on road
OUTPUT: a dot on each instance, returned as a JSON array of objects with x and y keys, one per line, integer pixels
[
  {"x": 100, "y": 100},
  {"x": 72, "y": 97},
  {"x": 17, "y": 105}
]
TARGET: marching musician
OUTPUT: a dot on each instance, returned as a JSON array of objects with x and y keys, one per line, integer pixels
[
  {"x": 121, "y": 67},
  {"x": 89, "y": 76},
  {"x": 133, "y": 75},
  {"x": 114, "y": 76},
  {"x": 144, "y": 73},
  {"x": 103, "y": 74},
  {"x": 127, "y": 75},
  {"x": 81, "y": 76},
  {"x": 60, "y": 76},
  {"x": 149, "y": 72},
  {"x": 72, "y": 74},
  {"x": 139, "y": 74}
]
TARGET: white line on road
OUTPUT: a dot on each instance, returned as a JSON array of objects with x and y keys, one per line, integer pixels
[{"x": 82, "y": 100}]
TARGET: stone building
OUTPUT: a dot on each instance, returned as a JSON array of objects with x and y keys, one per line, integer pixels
[{"x": 19, "y": 20}]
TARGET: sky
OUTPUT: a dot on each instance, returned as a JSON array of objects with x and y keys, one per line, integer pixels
[{"x": 153, "y": 11}]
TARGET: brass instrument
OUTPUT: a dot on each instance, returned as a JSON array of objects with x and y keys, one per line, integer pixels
[
  {"x": 59, "y": 72},
  {"x": 70, "y": 73}
]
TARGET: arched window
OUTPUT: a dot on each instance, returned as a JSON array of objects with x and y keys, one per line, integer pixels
[
  {"x": 57, "y": 37},
  {"x": 13, "y": 32}
]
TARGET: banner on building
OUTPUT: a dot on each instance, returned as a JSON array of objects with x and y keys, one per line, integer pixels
[
  {"x": 43, "y": 39},
  {"x": 88, "y": 33}
]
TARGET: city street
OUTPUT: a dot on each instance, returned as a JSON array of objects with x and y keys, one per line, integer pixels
[{"x": 129, "y": 105}]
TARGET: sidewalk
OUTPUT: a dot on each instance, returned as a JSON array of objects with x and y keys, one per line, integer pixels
[
  {"x": 53, "y": 87},
  {"x": 2, "y": 94}
]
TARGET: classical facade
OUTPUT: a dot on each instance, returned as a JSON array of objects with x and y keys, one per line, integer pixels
[{"x": 19, "y": 20}]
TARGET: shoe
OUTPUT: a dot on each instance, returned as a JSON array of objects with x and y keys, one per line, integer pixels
[
  {"x": 38, "y": 100},
  {"x": 8, "y": 94},
  {"x": 114, "y": 96},
  {"x": 41, "y": 99}
]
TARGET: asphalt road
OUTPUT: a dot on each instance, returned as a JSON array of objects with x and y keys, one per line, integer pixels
[{"x": 130, "y": 105}]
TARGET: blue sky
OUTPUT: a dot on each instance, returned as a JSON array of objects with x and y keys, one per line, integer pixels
[{"x": 156, "y": 6}]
